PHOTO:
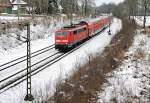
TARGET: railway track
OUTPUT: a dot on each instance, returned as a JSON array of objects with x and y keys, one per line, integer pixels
[
  {"x": 20, "y": 76},
  {"x": 23, "y": 58},
  {"x": 14, "y": 71}
]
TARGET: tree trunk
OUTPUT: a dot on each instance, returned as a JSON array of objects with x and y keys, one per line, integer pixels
[
  {"x": 145, "y": 12},
  {"x": 85, "y": 8}
]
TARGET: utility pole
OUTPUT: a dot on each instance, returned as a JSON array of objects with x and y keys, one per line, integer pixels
[{"x": 29, "y": 96}]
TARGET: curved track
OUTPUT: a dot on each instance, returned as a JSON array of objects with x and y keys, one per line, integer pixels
[{"x": 20, "y": 76}]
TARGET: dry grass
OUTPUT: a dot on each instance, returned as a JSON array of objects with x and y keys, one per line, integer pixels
[
  {"x": 146, "y": 30},
  {"x": 140, "y": 54},
  {"x": 86, "y": 80}
]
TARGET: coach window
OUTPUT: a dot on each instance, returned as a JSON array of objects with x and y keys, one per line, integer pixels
[
  {"x": 80, "y": 30},
  {"x": 75, "y": 32}
]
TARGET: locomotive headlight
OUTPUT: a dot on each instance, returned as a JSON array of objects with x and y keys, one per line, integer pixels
[
  {"x": 65, "y": 40},
  {"x": 61, "y": 40},
  {"x": 58, "y": 40}
]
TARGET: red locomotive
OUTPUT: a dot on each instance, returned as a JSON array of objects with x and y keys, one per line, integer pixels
[{"x": 68, "y": 37}]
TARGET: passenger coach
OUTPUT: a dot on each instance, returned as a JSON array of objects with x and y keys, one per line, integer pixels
[{"x": 69, "y": 36}]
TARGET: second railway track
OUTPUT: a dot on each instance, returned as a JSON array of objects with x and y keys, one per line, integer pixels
[
  {"x": 8, "y": 83},
  {"x": 24, "y": 58}
]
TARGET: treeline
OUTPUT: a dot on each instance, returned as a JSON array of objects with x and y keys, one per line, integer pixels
[
  {"x": 87, "y": 7},
  {"x": 127, "y": 8},
  {"x": 81, "y": 7}
]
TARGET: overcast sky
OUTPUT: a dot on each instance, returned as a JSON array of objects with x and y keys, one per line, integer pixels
[{"x": 99, "y": 2}]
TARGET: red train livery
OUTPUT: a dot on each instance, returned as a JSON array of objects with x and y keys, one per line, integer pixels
[{"x": 68, "y": 37}]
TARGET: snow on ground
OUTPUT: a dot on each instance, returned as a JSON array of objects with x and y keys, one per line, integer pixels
[
  {"x": 10, "y": 18},
  {"x": 41, "y": 30},
  {"x": 5, "y": 19},
  {"x": 127, "y": 84},
  {"x": 139, "y": 20},
  {"x": 44, "y": 83}
]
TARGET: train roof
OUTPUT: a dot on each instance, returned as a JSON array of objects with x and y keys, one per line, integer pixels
[
  {"x": 89, "y": 20},
  {"x": 81, "y": 23},
  {"x": 72, "y": 27},
  {"x": 75, "y": 25}
]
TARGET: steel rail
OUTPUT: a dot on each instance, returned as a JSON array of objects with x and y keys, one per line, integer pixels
[
  {"x": 43, "y": 66},
  {"x": 23, "y": 59},
  {"x": 25, "y": 56}
]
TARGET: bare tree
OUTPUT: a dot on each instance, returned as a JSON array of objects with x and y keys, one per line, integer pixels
[
  {"x": 146, "y": 4},
  {"x": 85, "y": 5},
  {"x": 69, "y": 6},
  {"x": 131, "y": 7}
]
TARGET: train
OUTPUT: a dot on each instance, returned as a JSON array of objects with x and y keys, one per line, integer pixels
[{"x": 69, "y": 36}]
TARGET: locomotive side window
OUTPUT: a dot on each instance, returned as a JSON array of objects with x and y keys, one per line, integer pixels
[
  {"x": 79, "y": 31},
  {"x": 61, "y": 33},
  {"x": 75, "y": 32}
]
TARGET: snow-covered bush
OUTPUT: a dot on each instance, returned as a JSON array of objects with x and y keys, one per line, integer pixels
[{"x": 41, "y": 28}]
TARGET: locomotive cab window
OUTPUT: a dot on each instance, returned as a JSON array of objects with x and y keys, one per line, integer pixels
[{"x": 61, "y": 33}]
